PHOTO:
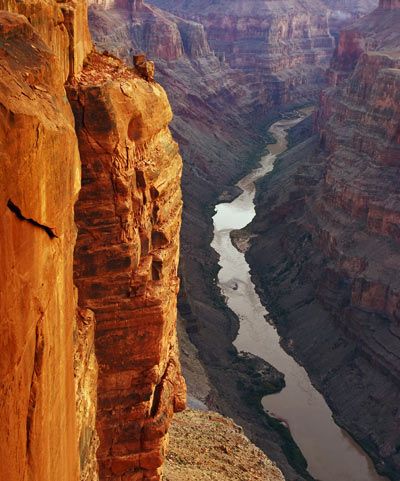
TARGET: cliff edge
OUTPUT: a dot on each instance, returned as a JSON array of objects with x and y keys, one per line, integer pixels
[{"x": 92, "y": 368}]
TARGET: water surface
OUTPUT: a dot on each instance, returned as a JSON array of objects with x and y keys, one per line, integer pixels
[{"x": 331, "y": 453}]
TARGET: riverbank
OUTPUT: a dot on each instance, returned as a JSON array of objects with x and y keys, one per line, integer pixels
[
  {"x": 299, "y": 404},
  {"x": 307, "y": 329},
  {"x": 212, "y": 327}
]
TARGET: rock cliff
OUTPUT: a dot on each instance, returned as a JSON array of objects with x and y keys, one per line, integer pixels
[
  {"x": 281, "y": 46},
  {"x": 327, "y": 247},
  {"x": 128, "y": 217},
  {"x": 40, "y": 181},
  {"x": 93, "y": 368}
]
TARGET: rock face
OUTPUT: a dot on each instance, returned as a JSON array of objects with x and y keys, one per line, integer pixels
[
  {"x": 54, "y": 393},
  {"x": 327, "y": 250},
  {"x": 128, "y": 217},
  {"x": 40, "y": 180},
  {"x": 281, "y": 46}
]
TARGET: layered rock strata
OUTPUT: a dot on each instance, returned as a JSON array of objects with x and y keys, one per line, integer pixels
[
  {"x": 282, "y": 46},
  {"x": 128, "y": 217},
  {"x": 54, "y": 393},
  {"x": 326, "y": 253}
]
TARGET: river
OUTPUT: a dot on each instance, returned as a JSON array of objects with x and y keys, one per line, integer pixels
[{"x": 331, "y": 454}]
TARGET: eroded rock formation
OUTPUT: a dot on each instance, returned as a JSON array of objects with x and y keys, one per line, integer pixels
[
  {"x": 327, "y": 246},
  {"x": 282, "y": 46},
  {"x": 40, "y": 181},
  {"x": 128, "y": 217},
  {"x": 54, "y": 393}
]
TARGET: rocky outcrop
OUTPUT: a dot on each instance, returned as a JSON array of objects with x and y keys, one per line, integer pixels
[
  {"x": 128, "y": 218},
  {"x": 40, "y": 180},
  {"x": 228, "y": 455},
  {"x": 64, "y": 411},
  {"x": 327, "y": 248}
]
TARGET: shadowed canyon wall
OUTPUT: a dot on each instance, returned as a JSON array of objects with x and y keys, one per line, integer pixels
[
  {"x": 326, "y": 252},
  {"x": 281, "y": 46},
  {"x": 59, "y": 403}
]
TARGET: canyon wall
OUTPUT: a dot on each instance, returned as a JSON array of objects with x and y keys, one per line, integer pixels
[
  {"x": 40, "y": 181},
  {"x": 128, "y": 217},
  {"x": 326, "y": 252},
  {"x": 94, "y": 368},
  {"x": 281, "y": 46}
]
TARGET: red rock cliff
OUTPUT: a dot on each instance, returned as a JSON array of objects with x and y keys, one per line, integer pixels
[
  {"x": 128, "y": 216},
  {"x": 125, "y": 260},
  {"x": 40, "y": 181}
]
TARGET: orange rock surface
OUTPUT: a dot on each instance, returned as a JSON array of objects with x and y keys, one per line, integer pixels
[
  {"x": 125, "y": 261},
  {"x": 40, "y": 179},
  {"x": 128, "y": 216}
]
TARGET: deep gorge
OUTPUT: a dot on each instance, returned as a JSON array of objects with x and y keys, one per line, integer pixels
[{"x": 91, "y": 168}]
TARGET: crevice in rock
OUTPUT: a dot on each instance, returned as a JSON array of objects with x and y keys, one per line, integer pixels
[
  {"x": 37, "y": 369},
  {"x": 17, "y": 211}
]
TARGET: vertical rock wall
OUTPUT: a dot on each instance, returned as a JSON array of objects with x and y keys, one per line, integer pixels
[
  {"x": 125, "y": 261},
  {"x": 39, "y": 183},
  {"x": 128, "y": 215}
]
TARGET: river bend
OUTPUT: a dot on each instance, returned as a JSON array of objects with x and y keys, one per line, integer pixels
[{"x": 332, "y": 455}]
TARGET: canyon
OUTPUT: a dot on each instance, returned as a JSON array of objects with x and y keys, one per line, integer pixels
[
  {"x": 91, "y": 238},
  {"x": 238, "y": 64},
  {"x": 325, "y": 250}
]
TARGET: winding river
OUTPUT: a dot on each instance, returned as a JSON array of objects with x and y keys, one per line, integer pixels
[{"x": 331, "y": 453}]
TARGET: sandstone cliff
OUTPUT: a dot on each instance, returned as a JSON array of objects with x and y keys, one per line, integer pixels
[
  {"x": 40, "y": 181},
  {"x": 128, "y": 217},
  {"x": 327, "y": 248},
  {"x": 125, "y": 260}
]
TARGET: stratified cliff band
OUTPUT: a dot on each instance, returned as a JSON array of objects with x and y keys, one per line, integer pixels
[{"x": 125, "y": 261}]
